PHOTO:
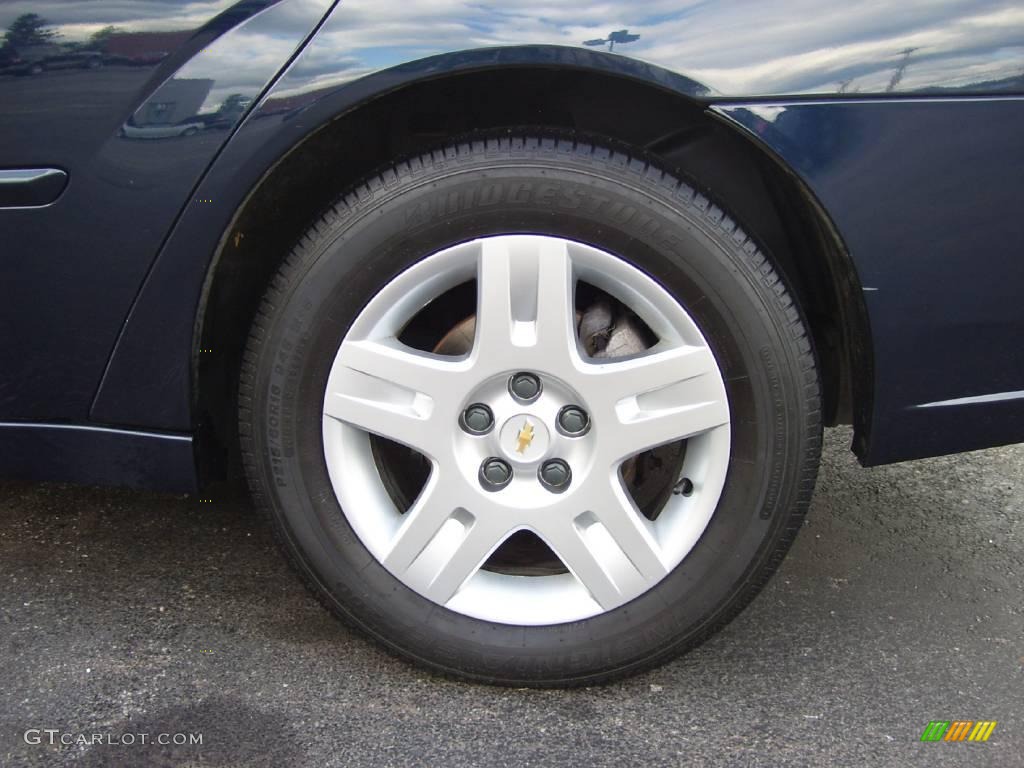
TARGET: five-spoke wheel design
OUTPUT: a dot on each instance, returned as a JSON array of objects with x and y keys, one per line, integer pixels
[{"x": 525, "y": 431}]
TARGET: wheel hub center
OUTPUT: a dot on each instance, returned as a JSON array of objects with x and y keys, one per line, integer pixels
[{"x": 524, "y": 438}]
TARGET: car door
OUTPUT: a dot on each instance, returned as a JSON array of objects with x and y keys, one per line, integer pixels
[{"x": 109, "y": 115}]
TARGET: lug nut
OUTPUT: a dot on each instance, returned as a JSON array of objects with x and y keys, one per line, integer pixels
[
  {"x": 495, "y": 474},
  {"x": 477, "y": 419},
  {"x": 524, "y": 387},
  {"x": 573, "y": 421},
  {"x": 555, "y": 475}
]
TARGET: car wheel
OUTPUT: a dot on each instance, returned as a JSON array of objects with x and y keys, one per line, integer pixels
[{"x": 531, "y": 411}]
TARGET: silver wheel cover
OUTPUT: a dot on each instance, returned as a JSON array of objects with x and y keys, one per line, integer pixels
[{"x": 525, "y": 322}]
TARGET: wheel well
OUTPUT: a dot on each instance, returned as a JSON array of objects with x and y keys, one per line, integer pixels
[{"x": 679, "y": 133}]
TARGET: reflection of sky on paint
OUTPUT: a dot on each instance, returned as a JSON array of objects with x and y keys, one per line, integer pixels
[
  {"x": 236, "y": 71},
  {"x": 244, "y": 60},
  {"x": 76, "y": 20},
  {"x": 735, "y": 48}
]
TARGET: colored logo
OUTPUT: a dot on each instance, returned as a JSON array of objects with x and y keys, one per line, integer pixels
[
  {"x": 525, "y": 437},
  {"x": 958, "y": 730}
]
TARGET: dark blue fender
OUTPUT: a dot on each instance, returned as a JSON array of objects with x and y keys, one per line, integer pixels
[
  {"x": 142, "y": 388},
  {"x": 926, "y": 195}
]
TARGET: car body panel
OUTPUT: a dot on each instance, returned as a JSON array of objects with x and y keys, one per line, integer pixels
[
  {"x": 743, "y": 49},
  {"x": 78, "y": 263},
  {"x": 93, "y": 455},
  {"x": 926, "y": 196},
  {"x": 845, "y": 72}
]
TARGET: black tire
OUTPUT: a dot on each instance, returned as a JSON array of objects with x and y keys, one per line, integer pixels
[{"x": 575, "y": 190}]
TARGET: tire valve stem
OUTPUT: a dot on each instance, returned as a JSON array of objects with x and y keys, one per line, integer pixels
[{"x": 684, "y": 487}]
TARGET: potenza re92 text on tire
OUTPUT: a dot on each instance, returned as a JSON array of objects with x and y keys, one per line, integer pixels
[{"x": 530, "y": 411}]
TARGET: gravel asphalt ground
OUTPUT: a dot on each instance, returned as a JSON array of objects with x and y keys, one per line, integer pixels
[{"x": 902, "y": 602}]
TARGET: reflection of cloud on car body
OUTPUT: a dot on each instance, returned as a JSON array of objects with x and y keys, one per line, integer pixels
[{"x": 771, "y": 50}]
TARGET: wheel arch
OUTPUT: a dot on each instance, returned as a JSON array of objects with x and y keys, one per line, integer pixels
[{"x": 638, "y": 106}]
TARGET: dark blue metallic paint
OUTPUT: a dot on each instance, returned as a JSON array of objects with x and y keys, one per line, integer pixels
[
  {"x": 919, "y": 191},
  {"x": 97, "y": 455},
  {"x": 926, "y": 195},
  {"x": 87, "y": 254}
]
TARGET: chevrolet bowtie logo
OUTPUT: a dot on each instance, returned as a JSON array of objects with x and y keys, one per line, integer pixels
[{"x": 525, "y": 437}]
